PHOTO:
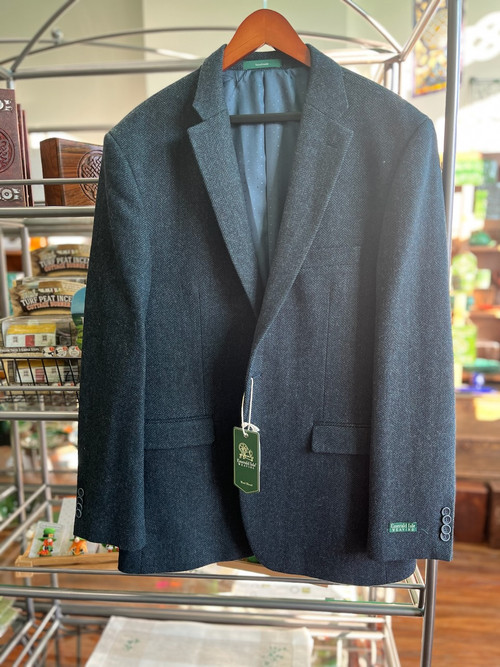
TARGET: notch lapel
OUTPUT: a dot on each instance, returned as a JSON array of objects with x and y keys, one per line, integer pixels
[
  {"x": 216, "y": 156},
  {"x": 321, "y": 148}
]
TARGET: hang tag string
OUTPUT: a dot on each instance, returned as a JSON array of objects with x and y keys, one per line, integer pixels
[{"x": 248, "y": 425}]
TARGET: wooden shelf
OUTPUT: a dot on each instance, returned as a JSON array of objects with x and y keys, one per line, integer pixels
[
  {"x": 483, "y": 249},
  {"x": 486, "y": 314}
]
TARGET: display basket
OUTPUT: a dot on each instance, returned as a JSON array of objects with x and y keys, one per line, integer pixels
[
  {"x": 40, "y": 360},
  {"x": 49, "y": 376}
]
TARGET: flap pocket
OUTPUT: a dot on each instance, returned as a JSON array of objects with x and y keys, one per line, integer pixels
[
  {"x": 174, "y": 433},
  {"x": 332, "y": 438}
]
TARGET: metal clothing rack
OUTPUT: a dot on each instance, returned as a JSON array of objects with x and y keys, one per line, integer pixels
[{"x": 72, "y": 606}]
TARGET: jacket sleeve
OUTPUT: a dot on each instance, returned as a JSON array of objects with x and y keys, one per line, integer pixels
[
  {"x": 110, "y": 502},
  {"x": 412, "y": 461}
]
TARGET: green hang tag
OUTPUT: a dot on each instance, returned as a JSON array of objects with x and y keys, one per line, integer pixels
[
  {"x": 261, "y": 64},
  {"x": 246, "y": 455}
]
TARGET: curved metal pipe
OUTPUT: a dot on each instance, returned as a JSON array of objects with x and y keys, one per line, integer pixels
[
  {"x": 54, "y": 43},
  {"x": 372, "y": 44},
  {"x": 375, "y": 24},
  {"x": 26, "y": 51}
]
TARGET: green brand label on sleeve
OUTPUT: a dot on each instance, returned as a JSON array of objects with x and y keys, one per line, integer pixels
[
  {"x": 261, "y": 64},
  {"x": 403, "y": 527},
  {"x": 246, "y": 455}
]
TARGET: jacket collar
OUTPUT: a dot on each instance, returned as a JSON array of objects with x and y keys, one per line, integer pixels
[
  {"x": 321, "y": 147},
  {"x": 325, "y": 91}
]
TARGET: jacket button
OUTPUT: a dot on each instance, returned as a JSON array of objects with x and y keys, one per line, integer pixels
[
  {"x": 80, "y": 493},
  {"x": 446, "y": 511},
  {"x": 78, "y": 513},
  {"x": 446, "y": 519},
  {"x": 446, "y": 529},
  {"x": 444, "y": 537}
]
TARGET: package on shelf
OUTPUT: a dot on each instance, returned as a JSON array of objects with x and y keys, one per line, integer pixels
[
  {"x": 135, "y": 641},
  {"x": 69, "y": 259},
  {"x": 54, "y": 544},
  {"x": 46, "y": 335},
  {"x": 48, "y": 539},
  {"x": 39, "y": 350},
  {"x": 44, "y": 295},
  {"x": 31, "y": 335},
  {"x": 41, "y": 371},
  {"x": 52, "y": 539}
]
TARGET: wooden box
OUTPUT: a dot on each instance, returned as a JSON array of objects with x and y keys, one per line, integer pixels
[
  {"x": 11, "y": 152},
  {"x": 471, "y": 511},
  {"x": 494, "y": 516},
  {"x": 62, "y": 158}
]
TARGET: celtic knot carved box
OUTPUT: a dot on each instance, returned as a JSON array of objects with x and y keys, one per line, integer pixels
[
  {"x": 13, "y": 149},
  {"x": 62, "y": 158}
]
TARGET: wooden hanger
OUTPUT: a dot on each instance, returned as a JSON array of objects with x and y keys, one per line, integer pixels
[{"x": 265, "y": 26}]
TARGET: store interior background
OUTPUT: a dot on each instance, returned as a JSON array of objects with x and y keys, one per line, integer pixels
[
  {"x": 103, "y": 101},
  {"x": 63, "y": 106},
  {"x": 98, "y": 102}
]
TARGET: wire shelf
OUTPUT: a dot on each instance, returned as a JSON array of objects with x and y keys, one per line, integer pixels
[{"x": 34, "y": 379}]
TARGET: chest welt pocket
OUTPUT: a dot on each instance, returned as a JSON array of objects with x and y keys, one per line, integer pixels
[
  {"x": 337, "y": 255},
  {"x": 176, "y": 433},
  {"x": 330, "y": 438}
]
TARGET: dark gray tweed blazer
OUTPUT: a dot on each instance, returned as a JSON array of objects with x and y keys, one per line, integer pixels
[{"x": 348, "y": 343}]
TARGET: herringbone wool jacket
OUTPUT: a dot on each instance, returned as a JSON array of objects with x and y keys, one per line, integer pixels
[{"x": 306, "y": 257}]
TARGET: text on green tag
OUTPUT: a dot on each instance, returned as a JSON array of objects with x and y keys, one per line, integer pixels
[
  {"x": 246, "y": 456},
  {"x": 261, "y": 64},
  {"x": 403, "y": 527}
]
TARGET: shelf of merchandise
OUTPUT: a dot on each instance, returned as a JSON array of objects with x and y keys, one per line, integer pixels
[{"x": 45, "y": 608}]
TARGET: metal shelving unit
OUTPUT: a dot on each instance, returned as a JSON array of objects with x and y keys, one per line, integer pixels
[{"x": 48, "y": 608}]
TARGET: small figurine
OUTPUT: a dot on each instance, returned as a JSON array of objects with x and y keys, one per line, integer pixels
[
  {"x": 79, "y": 546},
  {"x": 110, "y": 548},
  {"x": 47, "y": 540}
]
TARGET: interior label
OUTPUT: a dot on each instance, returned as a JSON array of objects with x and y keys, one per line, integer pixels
[{"x": 261, "y": 64}]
